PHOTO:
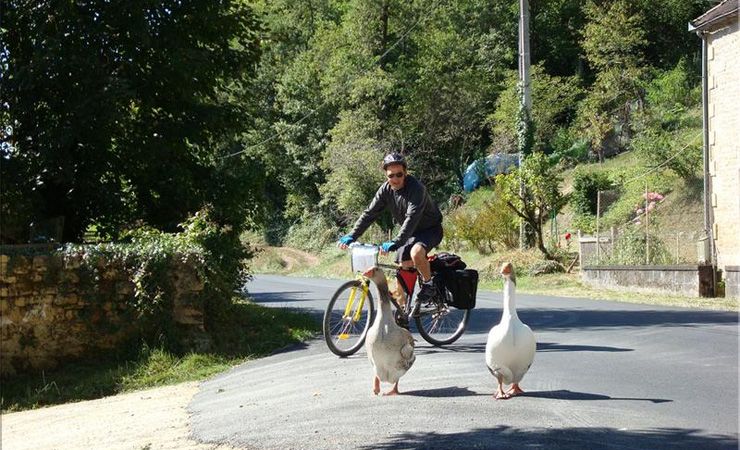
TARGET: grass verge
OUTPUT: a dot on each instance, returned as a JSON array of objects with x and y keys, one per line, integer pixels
[{"x": 247, "y": 331}]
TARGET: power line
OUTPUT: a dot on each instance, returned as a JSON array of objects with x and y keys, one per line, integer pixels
[
  {"x": 664, "y": 162},
  {"x": 377, "y": 61}
]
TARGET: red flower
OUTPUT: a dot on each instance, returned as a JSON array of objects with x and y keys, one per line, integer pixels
[{"x": 567, "y": 236}]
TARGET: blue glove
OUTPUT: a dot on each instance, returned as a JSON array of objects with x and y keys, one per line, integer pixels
[
  {"x": 388, "y": 246},
  {"x": 346, "y": 240}
]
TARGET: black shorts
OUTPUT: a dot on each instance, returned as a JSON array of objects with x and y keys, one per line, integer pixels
[{"x": 428, "y": 238}]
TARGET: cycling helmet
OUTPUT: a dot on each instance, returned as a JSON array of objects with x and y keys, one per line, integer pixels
[{"x": 393, "y": 158}]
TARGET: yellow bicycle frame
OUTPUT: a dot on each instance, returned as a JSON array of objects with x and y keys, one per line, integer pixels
[{"x": 352, "y": 295}]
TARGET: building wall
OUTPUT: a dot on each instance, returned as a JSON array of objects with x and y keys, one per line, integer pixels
[{"x": 723, "y": 64}]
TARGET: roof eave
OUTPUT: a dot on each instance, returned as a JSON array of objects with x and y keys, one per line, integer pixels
[{"x": 714, "y": 21}]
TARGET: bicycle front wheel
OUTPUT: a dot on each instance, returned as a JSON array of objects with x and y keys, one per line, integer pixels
[
  {"x": 441, "y": 324},
  {"x": 348, "y": 317}
]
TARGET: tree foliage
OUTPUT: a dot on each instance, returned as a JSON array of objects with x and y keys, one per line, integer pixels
[
  {"x": 119, "y": 114},
  {"x": 553, "y": 105},
  {"x": 613, "y": 43},
  {"x": 540, "y": 196},
  {"x": 116, "y": 112}
]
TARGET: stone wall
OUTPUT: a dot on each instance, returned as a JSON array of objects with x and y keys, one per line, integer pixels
[
  {"x": 723, "y": 66},
  {"x": 732, "y": 282},
  {"x": 691, "y": 281},
  {"x": 56, "y": 310}
]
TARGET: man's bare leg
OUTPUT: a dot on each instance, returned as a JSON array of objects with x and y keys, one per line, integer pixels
[{"x": 419, "y": 257}]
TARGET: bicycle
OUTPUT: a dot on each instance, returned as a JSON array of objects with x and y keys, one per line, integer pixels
[{"x": 347, "y": 318}]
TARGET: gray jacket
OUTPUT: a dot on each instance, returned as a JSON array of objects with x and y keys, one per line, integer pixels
[{"x": 410, "y": 206}]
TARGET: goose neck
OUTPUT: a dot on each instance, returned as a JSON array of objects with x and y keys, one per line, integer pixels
[
  {"x": 385, "y": 302},
  {"x": 509, "y": 298}
]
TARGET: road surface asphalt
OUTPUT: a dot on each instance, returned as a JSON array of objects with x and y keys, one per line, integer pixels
[{"x": 606, "y": 375}]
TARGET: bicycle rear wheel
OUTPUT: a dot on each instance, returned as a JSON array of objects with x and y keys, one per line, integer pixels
[
  {"x": 440, "y": 324},
  {"x": 348, "y": 317}
]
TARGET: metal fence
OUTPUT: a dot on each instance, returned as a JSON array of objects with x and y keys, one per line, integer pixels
[
  {"x": 642, "y": 240},
  {"x": 625, "y": 246}
]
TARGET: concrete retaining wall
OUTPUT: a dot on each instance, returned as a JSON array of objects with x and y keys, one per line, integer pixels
[
  {"x": 691, "y": 281},
  {"x": 732, "y": 282}
]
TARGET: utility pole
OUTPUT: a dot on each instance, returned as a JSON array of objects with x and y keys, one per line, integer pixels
[
  {"x": 526, "y": 96},
  {"x": 524, "y": 61}
]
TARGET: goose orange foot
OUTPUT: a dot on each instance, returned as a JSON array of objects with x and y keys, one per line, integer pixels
[
  {"x": 376, "y": 385},
  {"x": 514, "y": 390},
  {"x": 393, "y": 391},
  {"x": 500, "y": 394}
]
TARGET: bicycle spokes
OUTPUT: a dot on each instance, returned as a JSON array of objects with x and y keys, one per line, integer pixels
[
  {"x": 440, "y": 324},
  {"x": 348, "y": 317}
]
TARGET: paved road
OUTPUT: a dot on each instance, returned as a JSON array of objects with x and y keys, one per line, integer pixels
[{"x": 606, "y": 375}]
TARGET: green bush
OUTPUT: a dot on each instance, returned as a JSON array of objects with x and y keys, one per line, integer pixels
[
  {"x": 586, "y": 186},
  {"x": 676, "y": 151},
  {"x": 312, "y": 234},
  {"x": 149, "y": 255},
  {"x": 669, "y": 130},
  {"x": 630, "y": 249},
  {"x": 567, "y": 150},
  {"x": 149, "y": 259},
  {"x": 673, "y": 91},
  {"x": 486, "y": 224},
  {"x": 225, "y": 269}
]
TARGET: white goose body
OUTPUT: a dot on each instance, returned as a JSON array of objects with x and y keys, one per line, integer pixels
[
  {"x": 511, "y": 344},
  {"x": 390, "y": 348}
]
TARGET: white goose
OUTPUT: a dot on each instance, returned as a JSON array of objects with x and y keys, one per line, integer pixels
[
  {"x": 389, "y": 347},
  {"x": 511, "y": 344}
]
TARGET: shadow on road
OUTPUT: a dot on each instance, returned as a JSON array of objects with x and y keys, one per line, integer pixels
[
  {"x": 504, "y": 437},
  {"x": 541, "y": 347},
  {"x": 280, "y": 297},
  {"x": 452, "y": 348},
  {"x": 482, "y": 319},
  {"x": 454, "y": 391},
  {"x": 570, "y": 395},
  {"x": 553, "y": 347}
]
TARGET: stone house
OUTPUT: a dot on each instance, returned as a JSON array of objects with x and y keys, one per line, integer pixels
[{"x": 718, "y": 29}]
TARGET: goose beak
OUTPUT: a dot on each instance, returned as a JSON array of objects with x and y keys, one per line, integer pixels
[{"x": 369, "y": 272}]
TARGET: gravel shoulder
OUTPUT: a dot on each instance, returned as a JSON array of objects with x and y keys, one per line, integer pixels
[{"x": 150, "y": 419}]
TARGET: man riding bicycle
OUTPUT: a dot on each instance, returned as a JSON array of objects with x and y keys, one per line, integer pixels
[{"x": 412, "y": 208}]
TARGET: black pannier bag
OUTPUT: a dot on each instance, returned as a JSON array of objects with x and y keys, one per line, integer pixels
[
  {"x": 443, "y": 261},
  {"x": 462, "y": 285}
]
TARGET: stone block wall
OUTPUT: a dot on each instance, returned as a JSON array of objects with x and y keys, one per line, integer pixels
[
  {"x": 54, "y": 311},
  {"x": 691, "y": 281},
  {"x": 723, "y": 66}
]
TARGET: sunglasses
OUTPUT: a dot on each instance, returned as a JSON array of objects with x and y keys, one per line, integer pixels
[{"x": 395, "y": 175}]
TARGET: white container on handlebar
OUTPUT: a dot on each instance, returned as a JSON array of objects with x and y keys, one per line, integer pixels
[{"x": 364, "y": 257}]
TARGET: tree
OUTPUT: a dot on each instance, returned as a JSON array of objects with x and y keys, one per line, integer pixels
[
  {"x": 117, "y": 112},
  {"x": 553, "y": 105},
  {"x": 540, "y": 196},
  {"x": 290, "y": 135},
  {"x": 613, "y": 42}
]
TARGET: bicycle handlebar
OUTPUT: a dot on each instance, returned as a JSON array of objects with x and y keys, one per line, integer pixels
[{"x": 360, "y": 244}]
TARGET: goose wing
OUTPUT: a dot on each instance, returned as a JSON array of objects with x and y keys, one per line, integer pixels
[{"x": 526, "y": 348}]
